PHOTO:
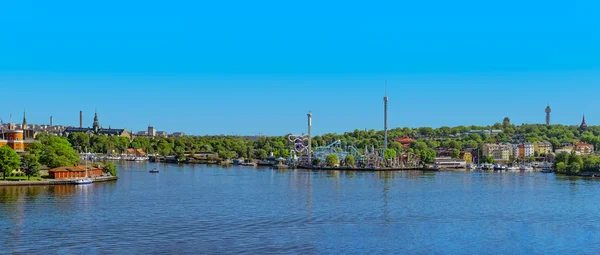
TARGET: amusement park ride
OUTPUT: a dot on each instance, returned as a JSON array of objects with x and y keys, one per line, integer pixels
[{"x": 303, "y": 155}]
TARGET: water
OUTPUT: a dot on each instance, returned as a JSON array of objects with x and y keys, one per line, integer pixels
[{"x": 208, "y": 209}]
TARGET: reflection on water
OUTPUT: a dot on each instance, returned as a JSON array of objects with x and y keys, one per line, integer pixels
[{"x": 210, "y": 209}]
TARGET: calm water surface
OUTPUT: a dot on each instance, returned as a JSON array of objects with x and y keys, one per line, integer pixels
[{"x": 204, "y": 209}]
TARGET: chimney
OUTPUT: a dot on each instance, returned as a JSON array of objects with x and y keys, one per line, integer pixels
[
  {"x": 81, "y": 119},
  {"x": 50, "y": 120}
]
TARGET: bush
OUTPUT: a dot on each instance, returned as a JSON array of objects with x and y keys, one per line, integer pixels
[
  {"x": 110, "y": 168},
  {"x": 332, "y": 160}
]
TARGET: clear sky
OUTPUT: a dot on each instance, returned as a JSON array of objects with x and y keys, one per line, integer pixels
[{"x": 249, "y": 67}]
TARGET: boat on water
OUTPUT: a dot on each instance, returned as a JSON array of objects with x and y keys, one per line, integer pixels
[
  {"x": 525, "y": 168},
  {"x": 84, "y": 180},
  {"x": 512, "y": 168},
  {"x": 154, "y": 171}
]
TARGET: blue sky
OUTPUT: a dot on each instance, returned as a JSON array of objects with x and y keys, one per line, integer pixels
[{"x": 249, "y": 67}]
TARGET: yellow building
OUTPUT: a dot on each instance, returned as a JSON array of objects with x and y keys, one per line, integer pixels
[
  {"x": 544, "y": 148},
  {"x": 584, "y": 148},
  {"x": 467, "y": 156}
]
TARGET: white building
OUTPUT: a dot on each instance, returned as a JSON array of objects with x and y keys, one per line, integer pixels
[{"x": 524, "y": 150}]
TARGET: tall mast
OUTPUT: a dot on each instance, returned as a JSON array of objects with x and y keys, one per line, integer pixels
[{"x": 85, "y": 162}]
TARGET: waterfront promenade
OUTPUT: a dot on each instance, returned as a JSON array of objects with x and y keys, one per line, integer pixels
[{"x": 54, "y": 181}]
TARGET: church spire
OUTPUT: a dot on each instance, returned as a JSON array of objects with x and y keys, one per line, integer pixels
[{"x": 583, "y": 126}]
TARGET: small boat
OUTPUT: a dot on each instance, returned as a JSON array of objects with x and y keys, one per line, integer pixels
[
  {"x": 154, "y": 171},
  {"x": 281, "y": 166},
  {"x": 82, "y": 181},
  {"x": 513, "y": 168}
]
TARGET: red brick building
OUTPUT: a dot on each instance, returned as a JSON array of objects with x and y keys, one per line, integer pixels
[{"x": 67, "y": 172}]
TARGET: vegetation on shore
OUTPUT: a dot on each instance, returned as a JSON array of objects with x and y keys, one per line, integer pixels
[
  {"x": 427, "y": 140},
  {"x": 56, "y": 151}
]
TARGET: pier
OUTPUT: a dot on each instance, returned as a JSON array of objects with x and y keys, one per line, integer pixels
[{"x": 54, "y": 181}]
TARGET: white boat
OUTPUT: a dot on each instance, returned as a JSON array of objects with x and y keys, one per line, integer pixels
[
  {"x": 526, "y": 168},
  {"x": 84, "y": 180},
  {"x": 81, "y": 181},
  {"x": 513, "y": 168}
]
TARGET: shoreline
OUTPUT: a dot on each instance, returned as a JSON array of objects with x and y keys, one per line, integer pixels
[{"x": 54, "y": 182}]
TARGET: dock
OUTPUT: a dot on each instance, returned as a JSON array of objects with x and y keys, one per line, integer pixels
[
  {"x": 379, "y": 169},
  {"x": 54, "y": 182}
]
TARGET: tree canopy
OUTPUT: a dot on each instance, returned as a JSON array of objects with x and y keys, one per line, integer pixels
[{"x": 9, "y": 160}]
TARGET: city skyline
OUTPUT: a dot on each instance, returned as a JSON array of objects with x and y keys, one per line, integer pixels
[
  {"x": 249, "y": 68},
  {"x": 133, "y": 131}
]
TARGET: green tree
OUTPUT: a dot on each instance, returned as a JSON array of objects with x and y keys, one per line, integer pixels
[
  {"x": 260, "y": 154},
  {"x": 562, "y": 157},
  {"x": 180, "y": 154},
  {"x": 574, "y": 168},
  {"x": 332, "y": 160},
  {"x": 489, "y": 159},
  {"x": 418, "y": 146},
  {"x": 109, "y": 167},
  {"x": 561, "y": 167},
  {"x": 455, "y": 153},
  {"x": 389, "y": 154},
  {"x": 9, "y": 160},
  {"x": 30, "y": 165},
  {"x": 349, "y": 161},
  {"x": 575, "y": 159},
  {"x": 590, "y": 163},
  {"x": 54, "y": 151},
  {"x": 79, "y": 140},
  {"x": 427, "y": 156},
  {"x": 99, "y": 144}
]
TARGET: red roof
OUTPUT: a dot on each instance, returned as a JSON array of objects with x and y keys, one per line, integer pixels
[
  {"x": 72, "y": 169},
  {"x": 405, "y": 139}
]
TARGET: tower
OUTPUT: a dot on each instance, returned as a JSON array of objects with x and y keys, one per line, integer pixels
[
  {"x": 309, "y": 138},
  {"x": 583, "y": 126},
  {"x": 50, "y": 120},
  {"x": 151, "y": 131},
  {"x": 80, "y": 119},
  {"x": 548, "y": 111},
  {"x": 96, "y": 125},
  {"x": 24, "y": 126},
  {"x": 385, "y": 123}
]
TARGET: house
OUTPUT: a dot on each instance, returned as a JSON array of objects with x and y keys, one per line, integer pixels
[
  {"x": 500, "y": 151},
  {"x": 523, "y": 150},
  {"x": 584, "y": 148},
  {"x": 405, "y": 141},
  {"x": 135, "y": 152},
  {"x": 544, "y": 147},
  {"x": 178, "y": 134},
  {"x": 67, "y": 172}
]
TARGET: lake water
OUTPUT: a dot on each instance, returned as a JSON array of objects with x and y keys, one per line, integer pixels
[{"x": 209, "y": 209}]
